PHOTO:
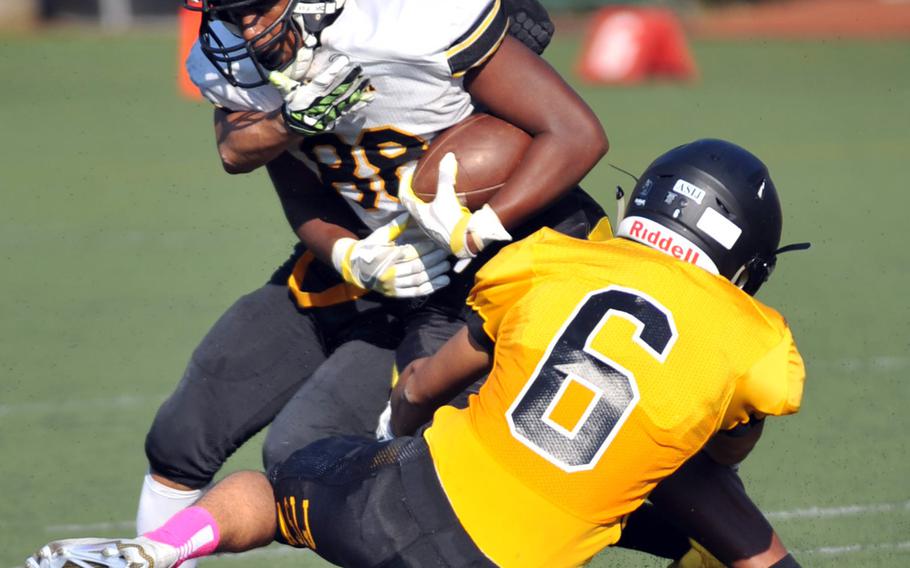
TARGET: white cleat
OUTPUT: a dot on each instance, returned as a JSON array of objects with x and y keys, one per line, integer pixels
[{"x": 104, "y": 552}]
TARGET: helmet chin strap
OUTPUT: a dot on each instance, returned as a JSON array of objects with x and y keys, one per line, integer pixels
[
  {"x": 297, "y": 69},
  {"x": 759, "y": 269},
  {"x": 317, "y": 15},
  {"x": 738, "y": 279},
  {"x": 620, "y": 205},
  {"x": 620, "y": 195},
  {"x": 794, "y": 246}
]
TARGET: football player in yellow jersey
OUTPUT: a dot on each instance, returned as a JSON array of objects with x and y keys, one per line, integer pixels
[{"x": 610, "y": 364}]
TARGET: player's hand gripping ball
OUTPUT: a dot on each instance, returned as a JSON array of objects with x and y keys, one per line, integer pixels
[
  {"x": 445, "y": 220},
  {"x": 447, "y": 190},
  {"x": 488, "y": 150}
]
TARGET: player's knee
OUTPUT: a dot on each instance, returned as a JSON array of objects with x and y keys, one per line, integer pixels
[
  {"x": 275, "y": 450},
  {"x": 180, "y": 445},
  {"x": 249, "y": 482},
  {"x": 286, "y": 436},
  {"x": 174, "y": 454}
]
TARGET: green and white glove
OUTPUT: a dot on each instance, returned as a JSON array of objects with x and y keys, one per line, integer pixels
[
  {"x": 313, "y": 107},
  {"x": 392, "y": 261},
  {"x": 445, "y": 220}
]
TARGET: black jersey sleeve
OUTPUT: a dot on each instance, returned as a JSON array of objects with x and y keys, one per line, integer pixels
[{"x": 480, "y": 41}]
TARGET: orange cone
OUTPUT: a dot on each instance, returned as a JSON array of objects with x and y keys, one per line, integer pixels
[
  {"x": 187, "y": 31},
  {"x": 629, "y": 45},
  {"x": 673, "y": 59}
]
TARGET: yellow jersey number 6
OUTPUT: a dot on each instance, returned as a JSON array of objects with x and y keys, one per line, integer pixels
[{"x": 571, "y": 357}]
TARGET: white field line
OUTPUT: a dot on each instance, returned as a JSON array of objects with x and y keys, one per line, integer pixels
[
  {"x": 878, "y": 364},
  {"x": 78, "y": 405},
  {"x": 831, "y": 512},
  {"x": 104, "y": 530},
  {"x": 855, "y": 548},
  {"x": 806, "y": 513},
  {"x": 125, "y": 527}
]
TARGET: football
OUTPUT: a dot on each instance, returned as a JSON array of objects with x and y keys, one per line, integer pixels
[{"x": 487, "y": 150}]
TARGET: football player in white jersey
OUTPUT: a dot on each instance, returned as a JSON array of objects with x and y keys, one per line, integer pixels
[
  {"x": 361, "y": 92},
  {"x": 335, "y": 102},
  {"x": 423, "y": 66}
]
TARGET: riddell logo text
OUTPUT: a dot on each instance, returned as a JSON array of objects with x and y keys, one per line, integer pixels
[{"x": 664, "y": 242}]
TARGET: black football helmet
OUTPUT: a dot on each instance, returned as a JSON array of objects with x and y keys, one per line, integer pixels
[
  {"x": 721, "y": 198},
  {"x": 303, "y": 19}
]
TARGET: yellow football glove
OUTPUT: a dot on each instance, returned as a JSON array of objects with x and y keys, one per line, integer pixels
[
  {"x": 392, "y": 262},
  {"x": 445, "y": 219}
]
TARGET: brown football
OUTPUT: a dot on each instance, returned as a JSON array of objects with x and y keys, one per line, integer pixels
[{"x": 487, "y": 150}]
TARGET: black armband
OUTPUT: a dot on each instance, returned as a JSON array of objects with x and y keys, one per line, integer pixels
[{"x": 477, "y": 332}]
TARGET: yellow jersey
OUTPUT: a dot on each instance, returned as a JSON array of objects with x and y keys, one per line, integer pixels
[{"x": 613, "y": 364}]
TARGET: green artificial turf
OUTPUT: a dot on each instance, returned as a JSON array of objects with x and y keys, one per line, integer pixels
[{"x": 122, "y": 240}]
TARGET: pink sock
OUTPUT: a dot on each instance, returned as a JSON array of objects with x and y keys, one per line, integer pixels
[{"x": 192, "y": 531}]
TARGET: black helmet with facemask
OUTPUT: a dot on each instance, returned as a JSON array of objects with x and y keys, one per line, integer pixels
[
  {"x": 303, "y": 20},
  {"x": 720, "y": 206}
]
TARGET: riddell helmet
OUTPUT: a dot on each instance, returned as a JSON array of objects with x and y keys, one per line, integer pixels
[
  {"x": 303, "y": 19},
  {"x": 713, "y": 204}
]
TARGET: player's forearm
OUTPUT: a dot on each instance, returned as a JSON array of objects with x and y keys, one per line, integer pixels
[
  {"x": 320, "y": 236},
  {"x": 408, "y": 413},
  {"x": 568, "y": 139},
  {"x": 553, "y": 164},
  {"x": 428, "y": 383},
  {"x": 248, "y": 140},
  {"x": 415, "y": 398},
  {"x": 318, "y": 217}
]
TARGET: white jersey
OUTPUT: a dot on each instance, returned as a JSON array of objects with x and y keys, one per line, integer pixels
[{"x": 415, "y": 53}]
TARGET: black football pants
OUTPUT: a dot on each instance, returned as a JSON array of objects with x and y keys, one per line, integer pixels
[
  {"x": 310, "y": 373},
  {"x": 358, "y": 502}
]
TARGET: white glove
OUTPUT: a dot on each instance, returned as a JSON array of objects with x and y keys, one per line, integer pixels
[
  {"x": 315, "y": 106},
  {"x": 384, "y": 427},
  {"x": 445, "y": 219},
  {"x": 413, "y": 267}
]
